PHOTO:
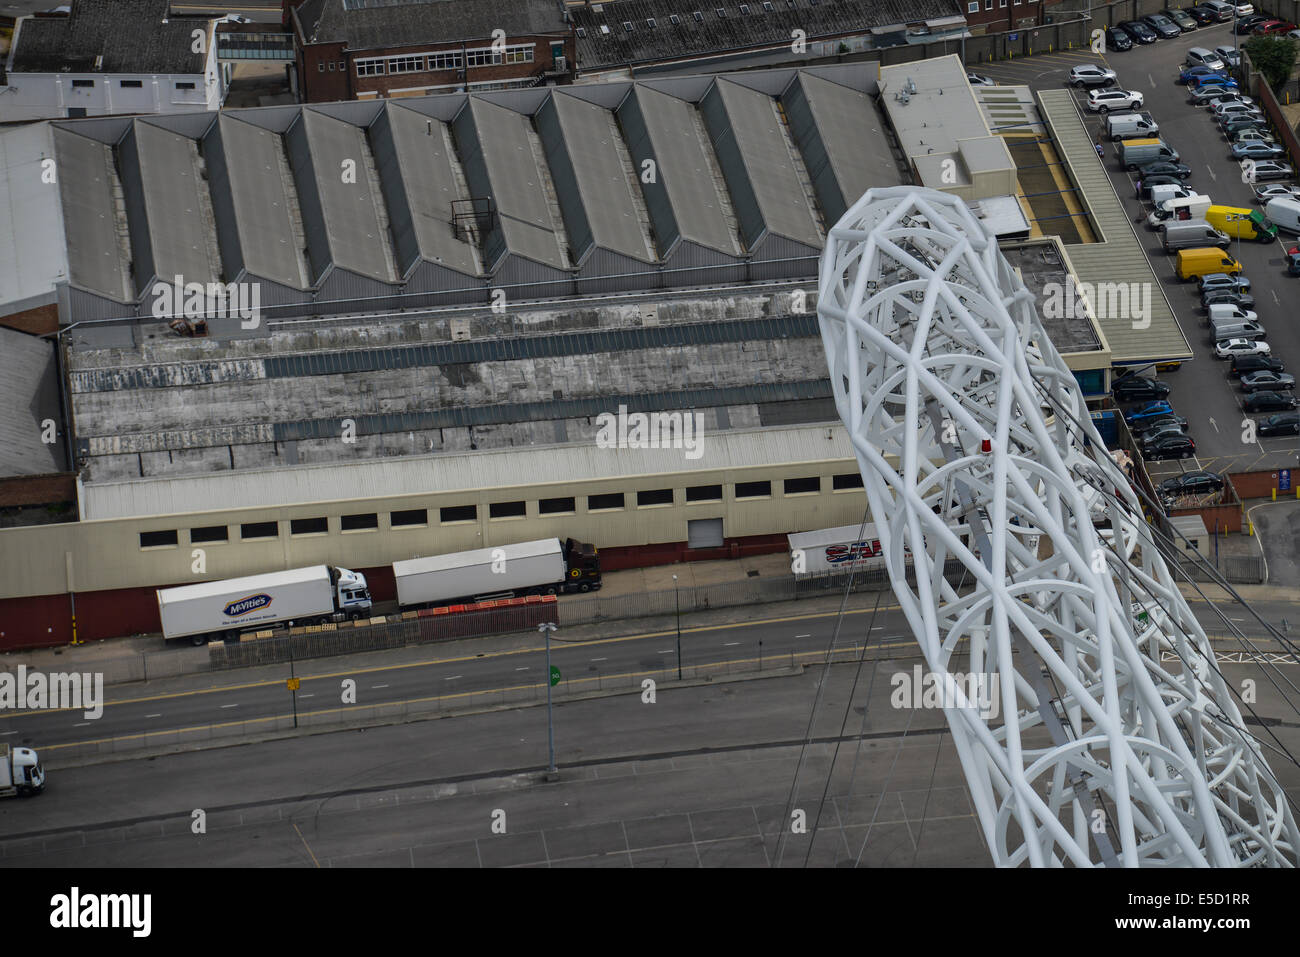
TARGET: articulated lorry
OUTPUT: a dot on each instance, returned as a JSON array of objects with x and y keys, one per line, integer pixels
[
  {"x": 225, "y": 609},
  {"x": 20, "y": 772},
  {"x": 542, "y": 567}
]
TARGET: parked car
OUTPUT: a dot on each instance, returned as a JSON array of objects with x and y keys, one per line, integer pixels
[
  {"x": 1137, "y": 388},
  {"x": 976, "y": 79},
  {"x": 1149, "y": 183},
  {"x": 1240, "y": 365},
  {"x": 1191, "y": 483},
  {"x": 1269, "y": 402},
  {"x": 1226, "y": 297},
  {"x": 1222, "y": 280},
  {"x": 1181, "y": 17},
  {"x": 1202, "y": 14},
  {"x": 1229, "y": 107},
  {"x": 1228, "y": 96},
  {"x": 1246, "y": 24},
  {"x": 1219, "y": 79},
  {"x": 1273, "y": 28},
  {"x": 1241, "y": 347},
  {"x": 1268, "y": 169},
  {"x": 1162, "y": 25},
  {"x": 1276, "y": 191},
  {"x": 1147, "y": 426},
  {"x": 1156, "y": 436},
  {"x": 1253, "y": 135},
  {"x": 1165, "y": 168},
  {"x": 1170, "y": 447},
  {"x": 1280, "y": 423},
  {"x": 1201, "y": 96},
  {"x": 1222, "y": 10},
  {"x": 1200, "y": 56},
  {"x": 1103, "y": 101},
  {"x": 1230, "y": 56},
  {"x": 1293, "y": 261},
  {"x": 1118, "y": 40},
  {"x": 1090, "y": 75},
  {"x": 1234, "y": 125},
  {"x": 1256, "y": 151},
  {"x": 1139, "y": 31},
  {"x": 1135, "y": 416},
  {"x": 1267, "y": 380},
  {"x": 1186, "y": 73}
]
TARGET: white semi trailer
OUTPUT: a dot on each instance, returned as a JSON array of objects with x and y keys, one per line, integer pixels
[
  {"x": 547, "y": 566},
  {"x": 833, "y": 550},
  {"x": 221, "y": 609},
  {"x": 20, "y": 772}
]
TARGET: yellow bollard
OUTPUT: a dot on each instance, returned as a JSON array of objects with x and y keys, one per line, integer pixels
[{"x": 1275, "y": 495}]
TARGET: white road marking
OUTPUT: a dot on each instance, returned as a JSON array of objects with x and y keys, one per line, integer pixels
[
  {"x": 83, "y": 724},
  {"x": 378, "y": 686},
  {"x": 3, "y": 733},
  {"x": 1213, "y": 174},
  {"x": 728, "y": 644},
  {"x": 307, "y": 695},
  {"x": 1153, "y": 80},
  {"x": 668, "y": 652},
  {"x": 153, "y": 716},
  {"x": 524, "y": 668},
  {"x": 230, "y": 706},
  {"x": 600, "y": 659},
  {"x": 803, "y": 636},
  {"x": 1275, "y": 299},
  {"x": 453, "y": 677}
]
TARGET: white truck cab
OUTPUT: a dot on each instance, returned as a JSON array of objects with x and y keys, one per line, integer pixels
[
  {"x": 353, "y": 594},
  {"x": 20, "y": 772}
]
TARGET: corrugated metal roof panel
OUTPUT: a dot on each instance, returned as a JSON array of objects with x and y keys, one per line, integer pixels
[
  {"x": 33, "y": 255},
  {"x": 97, "y": 260},
  {"x": 1120, "y": 257},
  {"x": 177, "y": 206},
  {"x": 472, "y": 472}
]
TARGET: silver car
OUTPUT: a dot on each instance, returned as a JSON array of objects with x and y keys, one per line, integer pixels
[{"x": 1091, "y": 75}]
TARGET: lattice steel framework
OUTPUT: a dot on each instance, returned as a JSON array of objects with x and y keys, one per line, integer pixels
[{"x": 975, "y": 444}]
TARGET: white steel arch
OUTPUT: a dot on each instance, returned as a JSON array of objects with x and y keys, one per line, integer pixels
[{"x": 976, "y": 446}]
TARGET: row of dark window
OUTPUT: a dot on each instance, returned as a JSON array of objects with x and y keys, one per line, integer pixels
[
  {"x": 130, "y": 84},
  {"x": 456, "y": 514}
]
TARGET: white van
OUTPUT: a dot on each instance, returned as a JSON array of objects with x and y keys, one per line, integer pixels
[
  {"x": 1177, "y": 210},
  {"x": 1124, "y": 126},
  {"x": 1167, "y": 191},
  {"x": 1224, "y": 313},
  {"x": 1284, "y": 214},
  {"x": 1191, "y": 234}
]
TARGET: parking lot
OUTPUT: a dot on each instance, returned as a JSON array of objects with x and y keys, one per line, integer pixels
[{"x": 1200, "y": 390}]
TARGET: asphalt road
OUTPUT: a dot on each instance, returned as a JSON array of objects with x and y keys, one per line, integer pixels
[
  {"x": 706, "y": 776},
  {"x": 1200, "y": 389},
  {"x": 456, "y": 671}
]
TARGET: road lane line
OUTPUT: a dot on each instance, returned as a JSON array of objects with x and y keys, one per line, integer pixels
[
  {"x": 668, "y": 652},
  {"x": 728, "y": 644},
  {"x": 378, "y": 686},
  {"x": 230, "y": 706},
  {"x": 153, "y": 716},
  {"x": 453, "y": 677}
]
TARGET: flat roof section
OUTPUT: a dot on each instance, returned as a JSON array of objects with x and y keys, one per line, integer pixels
[
  {"x": 1043, "y": 271},
  {"x": 603, "y": 183},
  {"x": 684, "y": 168},
  {"x": 177, "y": 206},
  {"x": 98, "y": 259},
  {"x": 423, "y": 152},
  {"x": 357, "y": 239},
  {"x": 769, "y": 163},
  {"x": 1119, "y": 257},
  {"x": 939, "y": 114},
  {"x": 522, "y": 209},
  {"x": 262, "y": 193}
]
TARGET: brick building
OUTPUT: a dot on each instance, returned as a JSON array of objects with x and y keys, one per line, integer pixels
[{"x": 358, "y": 50}]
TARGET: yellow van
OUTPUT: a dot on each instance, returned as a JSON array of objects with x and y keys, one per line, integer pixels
[
  {"x": 1203, "y": 260},
  {"x": 1240, "y": 223}
]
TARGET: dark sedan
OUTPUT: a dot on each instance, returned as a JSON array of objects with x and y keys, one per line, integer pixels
[
  {"x": 1118, "y": 40},
  {"x": 1246, "y": 25},
  {"x": 1146, "y": 427},
  {"x": 1283, "y": 423},
  {"x": 1191, "y": 483},
  {"x": 1226, "y": 297},
  {"x": 1243, "y": 364},
  {"x": 1265, "y": 380},
  {"x": 1138, "y": 388},
  {"x": 1165, "y": 168},
  {"x": 1162, "y": 25},
  {"x": 1170, "y": 447},
  {"x": 1269, "y": 402},
  {"x": 1139, "y": 32},
  {"x": 1202, "y": 15}
]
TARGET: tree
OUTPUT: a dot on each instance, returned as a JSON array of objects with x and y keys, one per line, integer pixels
[{"x": 1272, "y": 56}]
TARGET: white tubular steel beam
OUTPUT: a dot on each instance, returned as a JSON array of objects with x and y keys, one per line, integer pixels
[{"x": 1117, "y": 741}]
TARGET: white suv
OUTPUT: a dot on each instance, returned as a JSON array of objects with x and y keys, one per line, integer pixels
[
  {"x": 1103, "y": 101},
  {"x": 1091, "y": 75}
]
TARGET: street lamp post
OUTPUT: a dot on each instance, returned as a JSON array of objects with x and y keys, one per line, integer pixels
[
  {"x": 546, "y": 628},
  {"x": 678, "y": 597}
]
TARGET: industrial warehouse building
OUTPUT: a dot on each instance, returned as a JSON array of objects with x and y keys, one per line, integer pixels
[{"x": 657, "y": 246}]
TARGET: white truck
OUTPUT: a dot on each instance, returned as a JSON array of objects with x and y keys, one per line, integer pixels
[
  {"x": 223, "y": 609},
  {"x": 546, "y": 566},
  {"x": 1173, "y": 210},
  {"x": 830, "y": 551},
  {"x": 20, "y": 772}
]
